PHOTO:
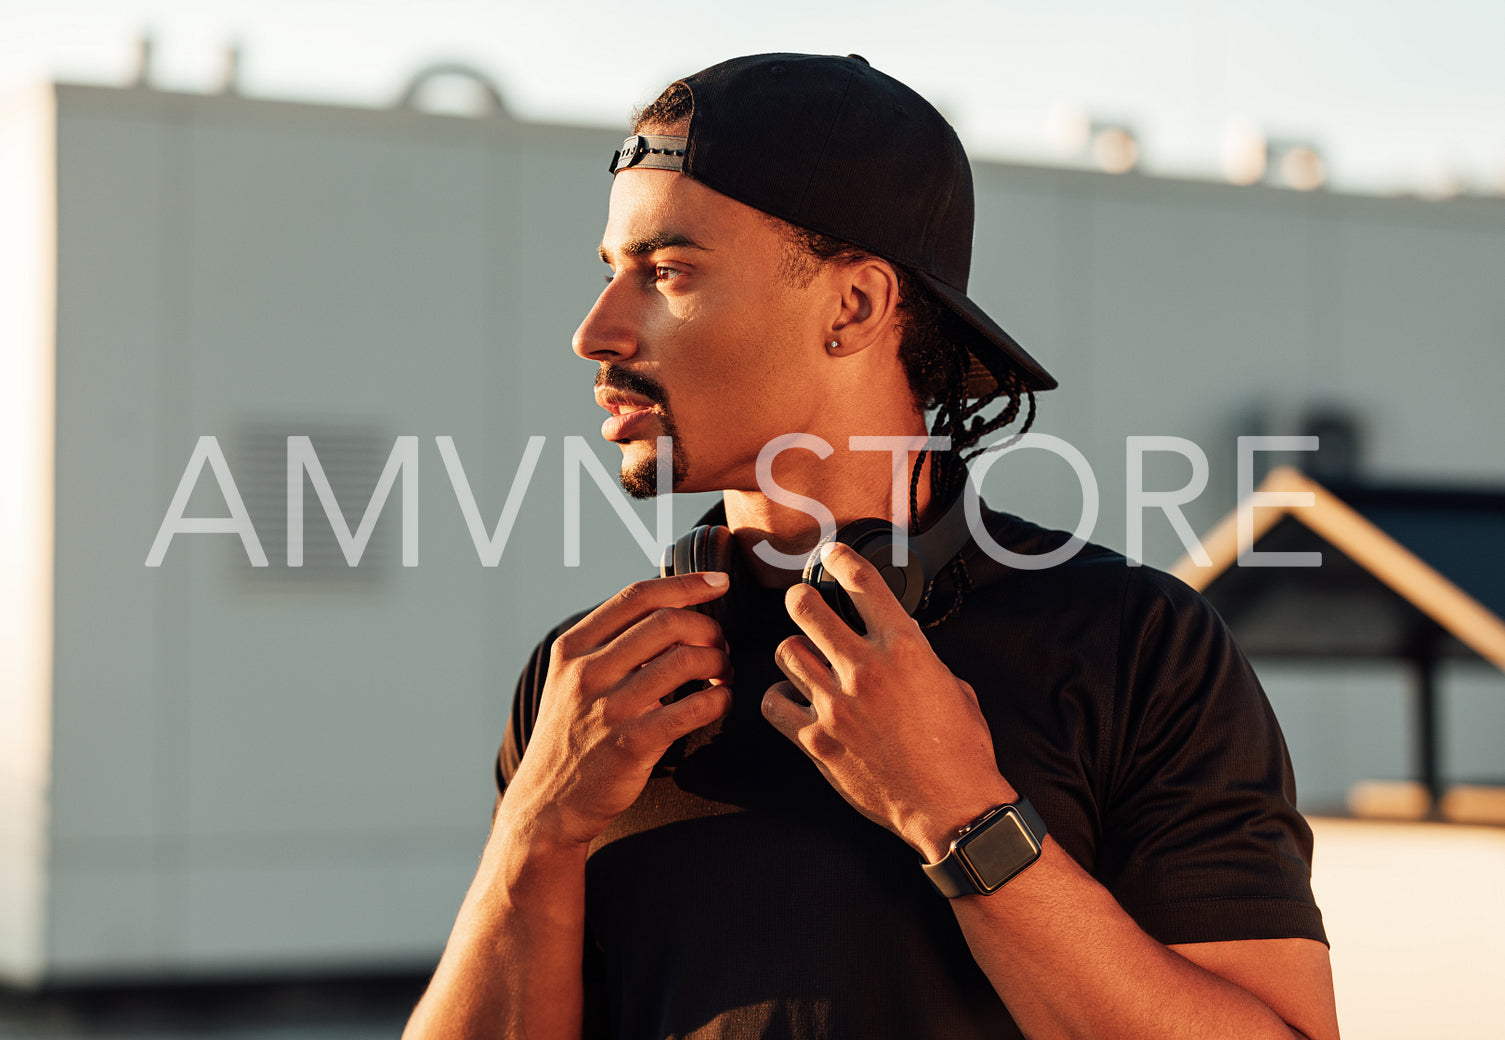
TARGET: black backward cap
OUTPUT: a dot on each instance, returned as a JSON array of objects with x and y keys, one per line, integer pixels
[{"x": 833, "y": 145}]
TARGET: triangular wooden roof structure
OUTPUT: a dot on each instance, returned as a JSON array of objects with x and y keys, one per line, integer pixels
[{"x": 1401, "y": 565}]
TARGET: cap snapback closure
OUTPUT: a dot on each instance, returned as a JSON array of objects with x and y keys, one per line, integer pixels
[{"x": 650, "y": 152}]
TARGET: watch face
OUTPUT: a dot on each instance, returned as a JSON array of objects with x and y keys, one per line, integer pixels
[{"x": 998, "y": 850}]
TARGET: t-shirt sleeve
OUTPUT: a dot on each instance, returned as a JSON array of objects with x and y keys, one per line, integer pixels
[{"x": 1202, "y": 841}]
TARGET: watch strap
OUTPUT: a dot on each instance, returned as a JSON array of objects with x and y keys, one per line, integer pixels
[{"x": 1020, "y": 837}]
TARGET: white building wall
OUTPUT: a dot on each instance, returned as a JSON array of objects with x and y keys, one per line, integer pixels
[
  {"x": 274, "y": 770},
  {"x": 1181, "y": 308}
]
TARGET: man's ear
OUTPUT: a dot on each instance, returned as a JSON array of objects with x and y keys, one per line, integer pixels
[{"x": 868, "y": 307}]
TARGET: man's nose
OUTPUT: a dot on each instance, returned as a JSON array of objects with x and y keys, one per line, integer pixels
[{"x": 607, "y": 333}]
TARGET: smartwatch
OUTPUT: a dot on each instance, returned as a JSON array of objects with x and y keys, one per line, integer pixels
[{"x": 989, "y": 851}]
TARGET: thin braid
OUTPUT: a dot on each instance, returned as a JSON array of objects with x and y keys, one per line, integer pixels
[
  {"x": 943, "y": 468},
  {"x": 914, "y": 491},
  {"x": 963, "y": 585},
  {"x": 966, "y": 427},
  {"x": 980, "y": 429},
  {"x": 954, "y": 421},
  {"x": 958, "y": 392}
]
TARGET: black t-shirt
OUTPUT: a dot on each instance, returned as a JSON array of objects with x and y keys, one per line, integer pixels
[{"x": 740, "y": 896}]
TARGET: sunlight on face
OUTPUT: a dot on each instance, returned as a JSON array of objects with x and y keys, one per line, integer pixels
[{"x": 701, "y": 330}]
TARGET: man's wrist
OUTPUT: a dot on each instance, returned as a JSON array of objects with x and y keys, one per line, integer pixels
[
  {"x": 539, "y": 834},
  {"x": 931, "y": 833},
  {"x": 522, "y": 865}
]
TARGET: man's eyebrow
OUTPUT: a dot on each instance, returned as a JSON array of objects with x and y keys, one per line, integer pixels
[{"x": 653, "y": 243}]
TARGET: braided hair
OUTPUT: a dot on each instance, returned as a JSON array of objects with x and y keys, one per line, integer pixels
[{"x": 936, "y": 364}]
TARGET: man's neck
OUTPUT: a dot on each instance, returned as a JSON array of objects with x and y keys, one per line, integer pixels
[{"x": 861, "y": 487}]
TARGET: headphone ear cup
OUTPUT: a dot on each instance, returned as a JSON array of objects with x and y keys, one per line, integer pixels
[
  {"x": 718, "y": 551},
  {"x": 710, "y": 547},
  {"x": 714, "y": 548},
  {"x": 676, "y": 557},
  {"x": 873, "y": 540},
  {"x": 686, "y": 552}
]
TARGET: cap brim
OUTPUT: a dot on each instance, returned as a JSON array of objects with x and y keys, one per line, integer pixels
[{"x": 994, "y": 352}]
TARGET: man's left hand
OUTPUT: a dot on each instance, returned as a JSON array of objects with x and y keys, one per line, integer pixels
[{"x": 900, "y": 737}]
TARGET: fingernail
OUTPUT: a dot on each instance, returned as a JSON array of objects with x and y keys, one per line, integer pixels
[
  {"x": 827, "y": 549},
  {"x": 716, "y": 579}
]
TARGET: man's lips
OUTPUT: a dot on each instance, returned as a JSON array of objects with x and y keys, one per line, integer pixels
[
  {"x": 621, "y": 402},
  {"x": 630, "y": 414}
]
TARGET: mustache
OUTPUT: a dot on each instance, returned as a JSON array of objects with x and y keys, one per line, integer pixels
[{"x": 615, "y": 377}]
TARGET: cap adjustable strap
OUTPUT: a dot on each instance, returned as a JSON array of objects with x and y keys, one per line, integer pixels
[{"x": 649, "y": 152}]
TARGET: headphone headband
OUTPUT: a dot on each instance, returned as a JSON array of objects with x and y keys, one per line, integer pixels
[{"x": 940, "y": 543}]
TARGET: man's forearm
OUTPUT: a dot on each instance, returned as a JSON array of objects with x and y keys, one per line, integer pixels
[
  {"x": 1069, "y": 962},
  {"x": 511, "y": 967}
]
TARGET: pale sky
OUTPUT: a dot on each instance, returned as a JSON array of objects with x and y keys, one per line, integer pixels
[{"x": 1398, "y": 96}]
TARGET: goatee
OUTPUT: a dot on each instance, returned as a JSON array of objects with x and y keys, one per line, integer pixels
[{"x": 640, "y": 479}]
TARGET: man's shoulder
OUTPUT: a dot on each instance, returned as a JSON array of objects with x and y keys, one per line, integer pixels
[{"x": 1040, "y": 568}]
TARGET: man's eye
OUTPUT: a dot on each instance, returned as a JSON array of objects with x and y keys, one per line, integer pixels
[{"x": 665, "y": 274}]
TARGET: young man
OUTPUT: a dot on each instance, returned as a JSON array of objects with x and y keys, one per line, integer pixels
[{"x": 1078, "y": 755}]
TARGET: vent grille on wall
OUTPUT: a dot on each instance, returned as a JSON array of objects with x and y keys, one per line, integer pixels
[{"x": 352, "y": 459}]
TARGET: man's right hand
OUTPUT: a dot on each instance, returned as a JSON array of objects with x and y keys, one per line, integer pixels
[{"x": 602, "y": 721}]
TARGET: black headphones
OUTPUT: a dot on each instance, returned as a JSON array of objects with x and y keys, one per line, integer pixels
[{"x": 711, "y": 547}]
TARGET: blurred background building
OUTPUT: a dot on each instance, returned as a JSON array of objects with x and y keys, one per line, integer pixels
[{"x": 211, "y": 770}]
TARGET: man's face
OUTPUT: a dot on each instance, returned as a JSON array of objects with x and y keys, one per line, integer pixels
[{"x": 700, "y": 334}]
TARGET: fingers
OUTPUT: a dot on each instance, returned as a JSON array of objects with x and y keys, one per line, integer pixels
[
  {"x": 645, "y": 635},
  {"x": 870, "y": 594},
  {"x": 643, "y": 644},
  {"x": 652, "y": 635},
  {"x": 672, "y": 721},
  {"x": 805, "y": 666},
  {"x": 660, "y": 653},
  {"x": 829, "y": 635},
  {"x": 784, "y": 709},
  {"x": 667, "y": 672},
  {"x": 637, "y": 601}
]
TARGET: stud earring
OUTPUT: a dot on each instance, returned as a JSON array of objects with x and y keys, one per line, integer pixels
[{"x": 834, "y": 345}]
